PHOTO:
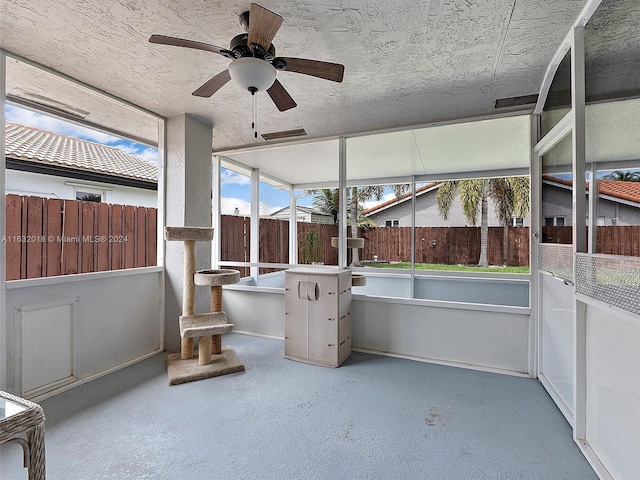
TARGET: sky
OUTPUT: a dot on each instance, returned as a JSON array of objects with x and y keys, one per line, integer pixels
[{"x": 235, "y": 187}]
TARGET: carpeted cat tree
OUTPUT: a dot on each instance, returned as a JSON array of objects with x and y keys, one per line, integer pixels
[{"x": 213, "y": 359}]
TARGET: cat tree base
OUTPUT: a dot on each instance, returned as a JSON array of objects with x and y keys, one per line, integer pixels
[{"x": 183, "y": 371}]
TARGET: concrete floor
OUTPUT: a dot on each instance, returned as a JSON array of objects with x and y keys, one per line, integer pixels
[{"x": 373, "y": 418}]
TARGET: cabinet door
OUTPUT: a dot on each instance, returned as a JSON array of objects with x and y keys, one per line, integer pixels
[
  {"x": 296, "y": 339},
  {"x": 323, "y": 340},
  {"x": 323, "y": 321}
]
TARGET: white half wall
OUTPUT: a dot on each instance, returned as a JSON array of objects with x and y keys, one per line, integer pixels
[
  {"x": 65, "y": 330},
  {"x": 613, "y": 390},
  {"x": 495, "y": 339},
  {"x": 478, "y": 338}
]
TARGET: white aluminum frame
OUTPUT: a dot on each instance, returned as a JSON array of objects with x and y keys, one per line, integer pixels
[
  {"x": 574, "y": 122},
  {"x": 3, "y": 230},
  {"x": 161, "y": 146}
]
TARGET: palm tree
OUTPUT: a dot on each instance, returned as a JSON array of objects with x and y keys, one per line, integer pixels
[
  {"x": 328, "y": 200},
  {"x": 510, "y": 199},
  {"x": 360, "y": 195},
  {"x": 621, "y": 176},
  {"x": 510, "y": 196}
]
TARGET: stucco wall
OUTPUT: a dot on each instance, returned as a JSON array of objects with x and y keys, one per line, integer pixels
[
  {"x": 427, "y": 214},
  {"x": 556, "y": 202},
  {"x": 49, "y": 186}
]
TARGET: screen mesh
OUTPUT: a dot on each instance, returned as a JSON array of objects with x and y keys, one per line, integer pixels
[
  {"x": 556, "y": 259},
  {"x": 610, "y": 279}
]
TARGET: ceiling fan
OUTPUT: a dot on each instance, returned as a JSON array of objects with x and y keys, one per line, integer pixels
[{"x": 254, "y": 62}]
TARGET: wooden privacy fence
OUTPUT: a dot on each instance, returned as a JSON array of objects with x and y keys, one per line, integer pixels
[
  {"x": 46, "y": 237},
  {"x": 448, "y": 245},
  {"x": 457, "y": 245},
  {"x": 611, "y": 239},
  {"x": 274, "y": 241},
  {"x": 49, "y": 237},
  {"x": 453, "y": 245}
]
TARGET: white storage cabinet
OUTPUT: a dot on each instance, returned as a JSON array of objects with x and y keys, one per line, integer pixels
[{"x": 317, "y": 305}]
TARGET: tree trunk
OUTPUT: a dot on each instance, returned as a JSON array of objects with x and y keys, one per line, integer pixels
[
  {"x": 484, "y": 231},
  {"x": 353, "y": 214}
]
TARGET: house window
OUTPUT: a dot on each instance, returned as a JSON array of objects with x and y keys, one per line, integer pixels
[
  {"x": 517, "y": 222},
  {"x": 88, "y": 196},
  {"x": 554, "y": 221},
  {"x": 392, "y": 223}
]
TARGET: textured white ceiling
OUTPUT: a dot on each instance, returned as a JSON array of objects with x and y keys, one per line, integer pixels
[
  {"x": 407, "y": 63},
  {"x": 499, "y": 144}
]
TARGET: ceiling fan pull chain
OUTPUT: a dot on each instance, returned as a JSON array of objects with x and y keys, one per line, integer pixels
[{"x": 254, "y": 120}]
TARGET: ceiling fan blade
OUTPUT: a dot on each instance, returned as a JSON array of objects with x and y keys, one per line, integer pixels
[
  {"x": 181, "y": 42},
  {"x": 281, "y": 97},
  {"x": 263, "y": 26},
  {"x": 213, "y": 85},
  {"x": 315, "y": 68}
]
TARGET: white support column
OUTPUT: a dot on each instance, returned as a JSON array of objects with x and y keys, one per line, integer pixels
[
  {"x": 216, "y": 245},
  {"x": 535, "y": 188},
  {"x": 413, "y": 233},
  {"x": 293, "y": 227},
  {"x": 188, "y": 203},
  {"x": 254, "y": 241},
  {"x": 162, "y": 188},
  {"x": 579, "y": 224},
  {"x": 161, "y": 221},
  {"x": 343, "y": 208},
  {"x": 3, "y": 209},
  {"x": 578, "y": 141},
  {"x": 592, "y": 234}
]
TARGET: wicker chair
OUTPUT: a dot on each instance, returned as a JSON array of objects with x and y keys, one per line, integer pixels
[{"x": 25, "y": 427}]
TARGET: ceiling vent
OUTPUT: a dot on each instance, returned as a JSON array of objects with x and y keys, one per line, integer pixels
[
  {"x": 525, "y": 100},
  {"x": 300, "y": 132}
]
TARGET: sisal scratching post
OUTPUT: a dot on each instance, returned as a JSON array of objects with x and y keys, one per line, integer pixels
[
  {"x": 216, "y": 306},
  {"x": 204, "y": 350},
  {"x": 189, "y": 294}
]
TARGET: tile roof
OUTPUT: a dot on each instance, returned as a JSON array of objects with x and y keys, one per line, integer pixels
[
  {"x": 400, "y": 199},
  {"x": 629, "y": 191},
  {"x": 39, "y": 146}
]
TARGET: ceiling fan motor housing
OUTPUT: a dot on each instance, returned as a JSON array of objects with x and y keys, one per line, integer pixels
[{"x": 238, "y": 45}]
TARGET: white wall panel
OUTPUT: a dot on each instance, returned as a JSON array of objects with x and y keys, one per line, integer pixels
[
  {"x": 117, "y": 318},
  {"x": 472, "y": 337},
  {"x": 613, "y": 391},
  {"x": 557, "y": 347},
  {"x": 254, "y": 311},
  {"x": 46, "y": 345},
  {"x": 484, "y": 339}
]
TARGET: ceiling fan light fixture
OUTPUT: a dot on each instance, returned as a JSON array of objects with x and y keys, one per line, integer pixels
[{"x": 252, "y": 73}]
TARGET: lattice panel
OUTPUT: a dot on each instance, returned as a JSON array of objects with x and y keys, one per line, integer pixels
[
  {"x": 557, "y": 259},
  {"x": 610, "y": 279}
]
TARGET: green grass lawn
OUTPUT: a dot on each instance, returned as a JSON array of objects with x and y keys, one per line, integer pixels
[{"x": 454, "y": 268}]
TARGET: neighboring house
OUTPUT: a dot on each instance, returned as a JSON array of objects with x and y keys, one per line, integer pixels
[
  {"x": 47, "y": 164},
  {"x": 398, "y": 212},
  {"x": 618, "y": 202},
  {"x": 304, "y": 214}
]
